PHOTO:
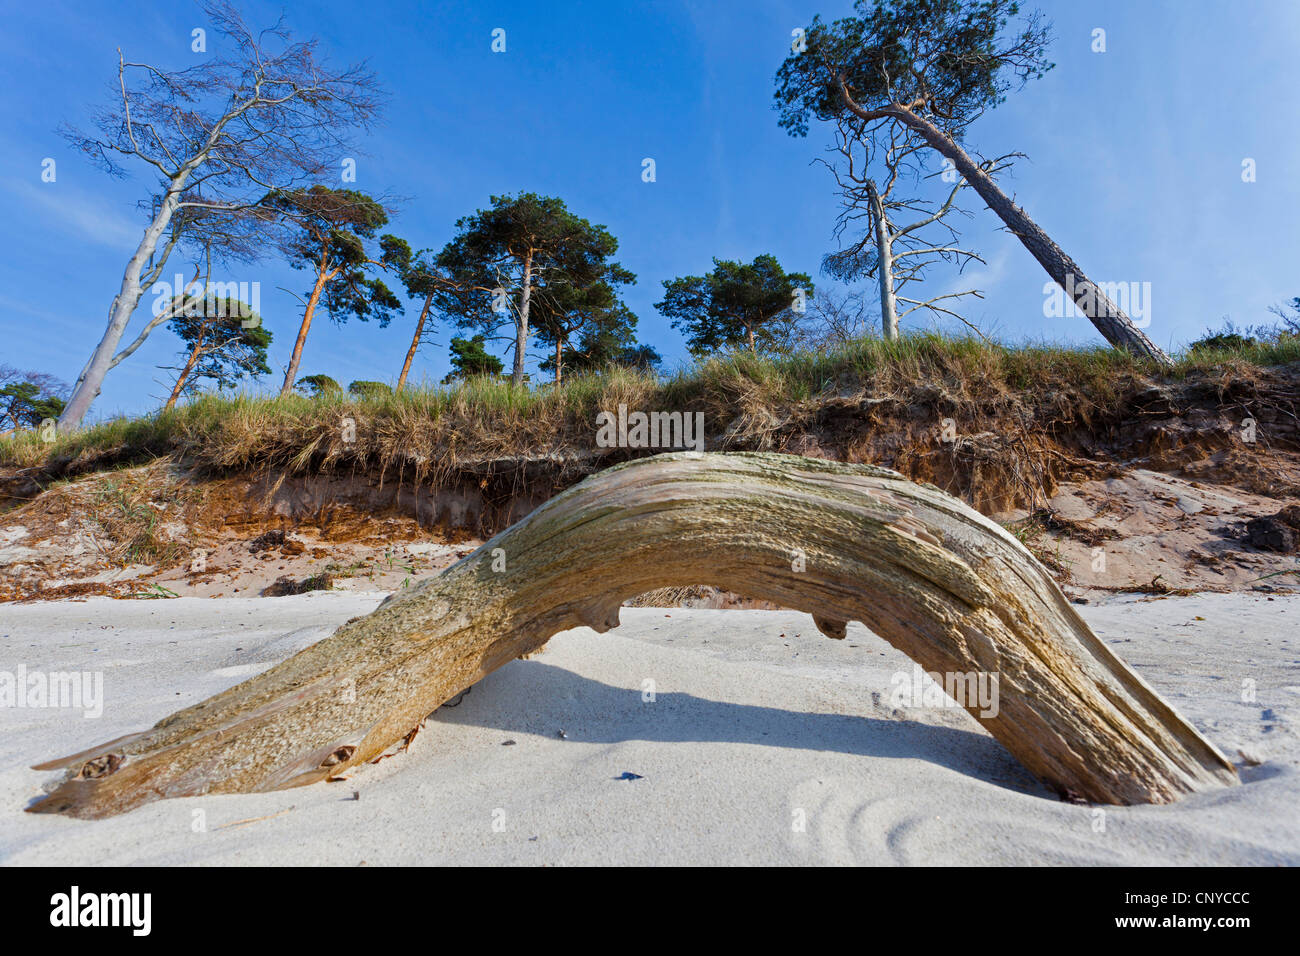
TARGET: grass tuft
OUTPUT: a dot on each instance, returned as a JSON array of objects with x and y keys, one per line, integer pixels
[{"x": 424, "y": 433}]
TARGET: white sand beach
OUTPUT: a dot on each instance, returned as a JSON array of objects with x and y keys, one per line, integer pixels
[{"x": 759, "y": 741}]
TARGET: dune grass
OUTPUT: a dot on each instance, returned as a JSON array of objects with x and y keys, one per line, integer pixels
[{"x": 428, "y": 429}]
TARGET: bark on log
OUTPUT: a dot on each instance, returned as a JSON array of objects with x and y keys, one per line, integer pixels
[{"x": 940, "y": 582}]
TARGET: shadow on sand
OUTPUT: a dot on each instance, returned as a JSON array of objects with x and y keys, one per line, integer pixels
[{"x": 532, "y": 697}]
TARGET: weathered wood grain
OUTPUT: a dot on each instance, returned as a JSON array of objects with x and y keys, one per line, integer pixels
[{"x": 940, "y": 582}]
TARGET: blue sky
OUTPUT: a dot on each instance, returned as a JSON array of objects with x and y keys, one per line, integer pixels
[{"x": 1134, "y": 159}]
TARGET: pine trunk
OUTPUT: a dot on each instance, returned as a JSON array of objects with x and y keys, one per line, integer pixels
[
  {"x": 1115, "y": 327},
  {"x": 189, "y": 368},
  {"x": 322, "y": 276},
  {"x": 521, "y": 323},
  {"x": 415, "y": 342}
]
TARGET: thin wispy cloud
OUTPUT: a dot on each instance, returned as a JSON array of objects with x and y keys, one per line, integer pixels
[{"x": 76, "y": 213}]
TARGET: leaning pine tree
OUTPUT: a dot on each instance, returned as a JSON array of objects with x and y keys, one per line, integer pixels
[
  {"x": 935, "y": 66},
  {"x": 325, "y": 233},
  {"x": 224, "y": 342},
  {"x": 421, "y": 279}
]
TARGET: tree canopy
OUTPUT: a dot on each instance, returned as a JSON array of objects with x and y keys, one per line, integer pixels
[
  {"x": 328, "y": 232},
  {"x": 368, "y": 389},
  {"x": 565, "y": 309},
  {"x": 501, "y": 256},
  {"x": 469, "y": 357},
  {"x": 734, "y": 305},
  {"x": 417, "y": 271},
  {"x": 946, "y": 60},
  {"x": 318, "y": 386},
  {"x": 224, "y": 341},
  {"x": 608, "y": 341},
  {"x": 28, "y": 398}
]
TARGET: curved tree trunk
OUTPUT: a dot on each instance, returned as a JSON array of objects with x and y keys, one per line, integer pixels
[
  {"x": 124, "y": 304},
  {"x": 945, "y": 585},
  {"x": 1116, "y": 327}
]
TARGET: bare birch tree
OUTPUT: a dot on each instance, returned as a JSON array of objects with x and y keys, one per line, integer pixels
[
  {"x": 268, "y": 115},
  {"x": 214, "y": 236},
  {"x": 897, "y": 254}
]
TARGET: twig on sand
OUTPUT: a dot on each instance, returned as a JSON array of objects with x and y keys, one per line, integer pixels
[{"x": 241, "y": 823}]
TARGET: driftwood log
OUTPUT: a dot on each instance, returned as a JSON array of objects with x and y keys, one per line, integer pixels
[{"x": 938, "y": 581}]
